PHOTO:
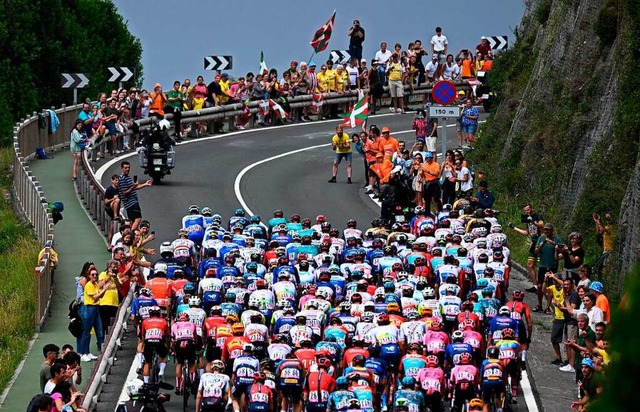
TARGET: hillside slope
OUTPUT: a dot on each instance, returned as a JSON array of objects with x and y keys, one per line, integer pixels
[{"x": 565, "y": 134}]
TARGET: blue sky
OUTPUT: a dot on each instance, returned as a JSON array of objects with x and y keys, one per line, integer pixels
[{"x": 177, "y": 34}]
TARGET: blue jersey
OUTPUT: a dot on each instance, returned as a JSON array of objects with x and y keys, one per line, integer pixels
[
  {"x": 283, "y": 324},
  {"x": 365, "y": 397},
  {"x": 255, "y": 230},
  {"x": 228, "y": 274},
  {"x": 230, "y": 308},
  {"x": 339, "y": 283},
  {"x": 373, "y": 256},
  {"x": 294, "y": 228},
  {"x": 238, "y": 219},
  {"x": 141, "y": 305},
  {"x": 334, "y": 348},
  {"x": 282, "y": 239},
  {"x": 491, "y": 372},
  {"x": 499, "y": 323},
  {"x": 339, "y": 400},
  {"x": 379, "y": 367},
  {"x": 292, "y": 251},
  {"x": 337, "y": 332},
  {"x": 415, "y": 398},
  {"x": 226, "y": 248},
  {"x": 454, "y": 350},
  {"x": 412, "y": 363},
  {"x": 209, "y": 263}
]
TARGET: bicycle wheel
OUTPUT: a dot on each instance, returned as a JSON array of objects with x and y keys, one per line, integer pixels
[
  {"x": 186, "y": 385},
  {"x": 153, "y": 375}
]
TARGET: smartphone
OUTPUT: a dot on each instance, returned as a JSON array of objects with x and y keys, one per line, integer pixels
[
  {"x": 153, "y": 232},
  {"x": 135, "y": 179}
]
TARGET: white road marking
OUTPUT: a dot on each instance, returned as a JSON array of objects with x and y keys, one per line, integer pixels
[{"x": 529, "y": 399}]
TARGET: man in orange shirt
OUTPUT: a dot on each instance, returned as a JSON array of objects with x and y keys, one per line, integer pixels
[
  {"x": 158, "y": 101},
  {"x": 370, "y": 147},
  {"x": 466, "y": 64},
  {"x": 431, "y": 172},
  {"x": 387, "y": 145},
  {"x": 382, "y": 168}
]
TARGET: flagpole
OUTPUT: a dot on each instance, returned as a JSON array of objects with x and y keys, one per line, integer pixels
[{"x": 312, "y": 54}]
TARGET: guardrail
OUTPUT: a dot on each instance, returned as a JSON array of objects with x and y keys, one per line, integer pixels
[{"x": 29, "y": 196}]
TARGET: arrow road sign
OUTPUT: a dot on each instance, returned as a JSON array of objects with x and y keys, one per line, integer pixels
[
  {"x": 120, "y": 74},
  {"x": 340, "y": 56},
  {"x": 444, "y": 92},
  {"x": 74, "y": 80},
  {"x": 498, "y": 42},
  {"x": 218, "y": 62}
]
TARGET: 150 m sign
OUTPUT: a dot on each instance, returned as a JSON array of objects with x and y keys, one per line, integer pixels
[{"x": 444, "y": 111}]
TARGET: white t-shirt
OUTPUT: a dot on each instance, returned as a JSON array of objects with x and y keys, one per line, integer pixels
[
  {"x": 439, "y": 42},
  {"x": 468, "y": 185},
  {"x": 431, "y": 68},
  {"x": 383, "y": 57},
  {"x": 353, "y": 75}
]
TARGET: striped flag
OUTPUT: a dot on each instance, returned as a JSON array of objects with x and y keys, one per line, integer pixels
[
  {"x": 359, "y": 113},
  {"x": 323, "y": 34},
  {"x": 278, "y": 109},
  {"x": 263, "y": 64}
]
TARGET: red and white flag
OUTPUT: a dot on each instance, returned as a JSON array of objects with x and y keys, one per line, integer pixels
[
  {"x": 278, "y": 109},
  {"x": 323, "y": 34}
]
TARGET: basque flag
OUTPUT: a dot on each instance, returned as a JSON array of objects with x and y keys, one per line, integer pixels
[{"x": 321, "y": 38}]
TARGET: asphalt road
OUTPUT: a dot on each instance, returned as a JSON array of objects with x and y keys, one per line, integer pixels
[{"x": 255, "y": 169}]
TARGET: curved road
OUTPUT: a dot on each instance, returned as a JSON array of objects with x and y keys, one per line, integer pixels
[{"x": 261, "y": 170}]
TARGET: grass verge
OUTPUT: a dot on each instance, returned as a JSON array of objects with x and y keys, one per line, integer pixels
[{"x": 18, "y": 256}]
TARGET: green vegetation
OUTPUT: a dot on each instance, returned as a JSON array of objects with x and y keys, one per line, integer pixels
[
  {"x": 40, "y": 39},
  {"x": 606, "y": 25},
  {"x": 543, "y": 11},
  {"x": 532, "y": 161}
]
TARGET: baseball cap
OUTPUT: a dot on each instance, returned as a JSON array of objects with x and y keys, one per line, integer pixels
[
  {"x": 548, "y": 226},
  {"x": 596, "y": 286},
  {"x": 588, "y": 363},
  {"x": 428, "y": 155},
  {"x": 461, "y": 93},
  {"x": 312, "y": 64},
  {"x": 385, "y": 129},
  {"x": 224, "y": 75},
  {"x": 435, "y": 56}
]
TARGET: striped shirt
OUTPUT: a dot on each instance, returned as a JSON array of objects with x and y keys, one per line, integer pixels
[{"x": 124, "y": 183}]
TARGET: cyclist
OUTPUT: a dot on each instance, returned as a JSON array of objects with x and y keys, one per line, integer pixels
[
  {"x": 463, "y": 382},
  {"x": 356, "y": 348},
  {"x": 340, "y": 400},
  {"x": 258, "y": 334},
  {"x": 290, "y": 376},
  {"x": 455, "y": 349},
  {"x": 279, "y": 348},
  {"x": 233, "y": 347},
  {"x": 194, "y": 224},
  {"x": 300, "y": 331},
  {"x": 244, "y": 368},
  {"x": 155, "y": 338},
  {"x": 161, "y": 287},
  {"x": 500, "y": 323},
  {"x": 510, "y": 358},
  {"x": 436, "y": 341},
  {"x": 184, "y": 250},
  {"x": 387, "y": 336},
  {"x": 413, "y": 361},
  {"x": 364, "y": 393},
  {"x": 380, "y": 369},
  {"x": 318, "y": 386},
  {"x": 520, "y": 312},
  {"x": 492, "y": 377},
  {"x": 408, "y": 391},
  {"x": 214, "y": 389},
  {"x": 413, "y": 330},
  {"x": 432, "y": 381},
  {"x": 260, "y": 397},
  {"x": 184, "y": 337},
  {"x": 210, "y": 289},
  {"x": 139, "y": 312}
]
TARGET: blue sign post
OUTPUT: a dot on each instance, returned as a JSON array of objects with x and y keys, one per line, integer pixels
[{"x": 444, "y": 93}]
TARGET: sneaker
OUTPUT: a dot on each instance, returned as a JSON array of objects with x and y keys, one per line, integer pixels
[
  {"x": 85, "y": 358},
  {"x": 349, "y": 180},
  {"x": 399, "y": 111},
  {"x": 332, "y": 180},
  {"x": 393, "y": 110},
  {"x": 567, "y": 368},
  {"x": 368, "y": 192},
  {"x": 556, "y": 362},
  {"x": 161, "y": 376},
  {"x": 92, "y": 356},
  {"x": 532, "y": 289}
]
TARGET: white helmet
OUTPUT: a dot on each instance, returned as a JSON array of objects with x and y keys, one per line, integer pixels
[
  {"x": 460, "y": 230},
  {"x": 367, "y": 317},
  {"x": 194, "y": 301},
  {"x": 160, "y": 267},
  {"x": 480, "y": 231},
  {"x": 418, "y": 209},
  {"x": 254, "y": 302},
  {"x": 505, "y": 311},
  {"x": 166, "y": 247},
  {"x": 164, "y": 124},
  {"x": 497, "y": 228},
  {"x": 133, "y": 387},
  {"x": 428, "y": 292}
]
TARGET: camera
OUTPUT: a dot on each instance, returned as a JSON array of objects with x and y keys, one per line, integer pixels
[{"x": 525, "y": 218}]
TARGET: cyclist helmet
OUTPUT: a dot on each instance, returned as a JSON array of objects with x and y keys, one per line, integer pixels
[
  {"x": 418, "y": 210},
  {"x": 358, "y": 360},
  {"x": 154, "y": 310},
  {"x": 383, "y": 319},
  {"x": 367, "y": 317},
  {"x": 216, "y": 310},
  {"x": 393, "y": 307},
  {"x": 183, "y": 317},
  {"x": 254, "y": 303},
  {"x": 166, "y": 247},
  {"x": 324, "y": 363},
  {"x": 231, "y": 318},
  {"x": 465, "y": 358},
  {"x": 432, "y": 361},
  {"x": 497, "y": 228},
  {"x": 429, "y": 293},
  {"x": 476, "y": 403},
  {"x": 259, "y": 376},
  {"x": 482, "y": 283},
  {"x": 466, "y": 305},
  {"x": 402, "y": 404},
  {"x": 493, "y": 352},
  {"x": 436, "y": 325},
  {"x": 413, "y": 315},
  {"x": 206, "y": 211},
  {"x": 183, "y": 232},
  {"x": 408, "y": 381},
  {"x": 457, "y": 336},
  {"x": 278, "y": 213},
  {"x": 237, "y": 328},
  {"x": 415, "y": 346},
  {"x": 505, "y": 311},
  {"x": 160, "y": 268},
  {"x": 288, "y": 310},
  {"x": 508, "y": 333},
  {"x": 346, "y": 306},
  {"x": 518, "y": 295},
  {"x": 217, "y": 365},
  {"x": 133, "y": 388},
  {"x": 352, "y": 223},
  {"x": 239, "y": 212},
  {"x": 145, "y": 292},
  {"x": 341, "y": 381},
  {"x": 467, "y": 324},
  {"x": 248, "y": 347},
  {"x": 194, "y": 209},
  {"x": 301, "y": 318},
  {"x": 194, "y": 301}
]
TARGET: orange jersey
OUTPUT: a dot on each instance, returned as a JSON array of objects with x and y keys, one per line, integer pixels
[
  {"x": 233, "y": 347},
  {"x": 154, "y": 330},
  {"x": 388, "y": 146},
  {"x": 397, "y": 320},
  {"x": 177, "y": 285},
  {"x": 351, "y": 353},
  {"x": 161, "y": 290}
]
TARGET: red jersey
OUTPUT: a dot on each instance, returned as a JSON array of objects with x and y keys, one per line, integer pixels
[
  {"x": 154, "y": 330},
  {"x": 233, "y": 347},
  {"x": 519, "y": 310},
  {"x": 177, "y": 285},
  {"x": 349, "y": 354},
  {"x": 307, "y": 356},
  {"x": 466, "y": 315},
  {"x": 319, "y": 385}
]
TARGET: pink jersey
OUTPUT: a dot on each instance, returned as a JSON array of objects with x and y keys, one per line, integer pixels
[
  {"x": 183, "y": 331},
  {"x": 473, "y": 338},
  {"x": 431, "y": 379},
  {"x": 436, "y": 341},
  {"x": 464, "y": 373}
]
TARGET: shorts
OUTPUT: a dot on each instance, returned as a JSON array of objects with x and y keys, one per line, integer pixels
[
  {"x": 212, "y": 405},
  {"x": 185, "y": 350},
  {"x": 489, "y": 388},
  {"x": 458, "y": 125},
  {"x": 558, "y": 331},
  {"x": 541, "y": 272},
  {"x": 134, "y": 212},
  {"x": 294, "y": 391},
  {"x": 159, "y": 347},
  {"x": 396, "y": 89},
  {"x": 571, "y": 331},
  {"x": 469, "y": 128},
  {"x": 430, "y": 143},
  {"x": 522, "y": 333},
  {"x": 345, "y": 156},
  {"x": 532, "y": 252},
  {"x": 238, "y": 390},
  {"x": 391, "y": 353},
  {"x": 109, "y": 212},
  {"x": 212, "y": 352}
]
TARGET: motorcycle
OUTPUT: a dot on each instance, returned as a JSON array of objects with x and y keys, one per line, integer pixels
[
  {"x": 156, "y": 154},
  {"x": 147, "y": 398}
]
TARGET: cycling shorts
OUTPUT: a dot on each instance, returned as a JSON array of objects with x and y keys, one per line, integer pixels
[
  {"x": 294, "y": 391},
  {"x": 212, "y": 405},
  {"x": 185, "y": 350},
  {"x": 522, "y": 333},
  {"x": 212, "y": 352},
  {"x": 316, "y": 407},
  {"x": 239, "y": 389},
  {"x": 150, "y": 347},
  {"x": 391, "y": 353},
  {"x": 491, "y": 387},
  {"x": 196, "y": 236}
]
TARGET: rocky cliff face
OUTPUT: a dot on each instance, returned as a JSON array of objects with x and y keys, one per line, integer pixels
[{"x": 561, "y": 129}]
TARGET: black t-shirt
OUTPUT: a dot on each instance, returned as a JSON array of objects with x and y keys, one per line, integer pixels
[
  {"x": 109, "y": 193},
  {"x": 356, "y": 40},
  {"x": 572, "y": 300},
  {"x": 534, "y": 231},
  {"x": 589, "y": 387},
  {"x": 213, "y": 88},
  {"x": 567, "y": 262},
  {"x": 111, "y": 110}
]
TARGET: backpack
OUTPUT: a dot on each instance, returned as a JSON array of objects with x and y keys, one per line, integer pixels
[
  {"x": 40, "y": 153},
  {"x": 75, "y": 321}
]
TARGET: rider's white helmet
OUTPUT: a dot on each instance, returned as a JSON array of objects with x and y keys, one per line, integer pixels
[
  {"x": 164, "y": 124},
  {"x": 133, "y": 387}
]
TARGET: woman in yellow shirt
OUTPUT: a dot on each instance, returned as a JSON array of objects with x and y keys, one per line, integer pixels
[
  {"x": 93, "y": 292},
  {"x": 110, "y": 300},
  {"x": 342, "y": 78}
]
